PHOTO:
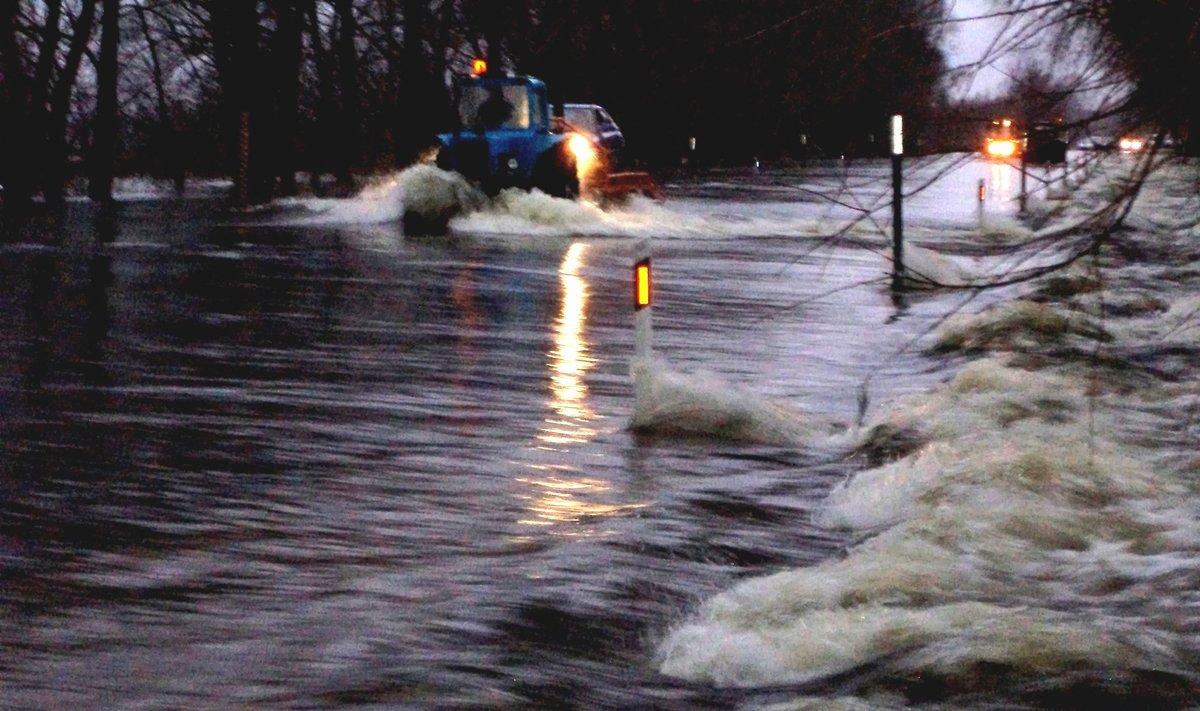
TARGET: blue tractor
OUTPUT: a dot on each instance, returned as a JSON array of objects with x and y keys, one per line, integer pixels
[{"x": 505, "y": 137}]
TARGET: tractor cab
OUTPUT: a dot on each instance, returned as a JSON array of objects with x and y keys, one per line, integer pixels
[{"x": 504, "y": 136}]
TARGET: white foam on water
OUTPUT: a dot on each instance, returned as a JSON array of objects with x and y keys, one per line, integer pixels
[
  {"x": 378, "y": 202},
  {"x": 703, "y": 404},
  {"x": 420, "y": 187},
  {"x": 875, "y": 702},
  {"x": 140, "y": 187},
  {"x": 1005, "y": 230},
  {"x": 1038, "y": 548},
  {"x": 986, "y": 394},
  {"x": 1028, "y": 521},
  {"x": 427, "y": 190},
  {"x": 926, "y": 267},
  {"x": 1016, "y": 325},
  {"x": 1178, "y": 323},
  {"x": 1017, "y": 533},
  {"x": 946, "y": 638},
  {"x": 520, "y": 212},
  {"x": 517, "y": 212},
  {"x": 769, "y": 219}
]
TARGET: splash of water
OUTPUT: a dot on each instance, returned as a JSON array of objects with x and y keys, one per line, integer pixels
[
  {"x": 1020, "y": 531},
  {"x": 702, "y": 404}
]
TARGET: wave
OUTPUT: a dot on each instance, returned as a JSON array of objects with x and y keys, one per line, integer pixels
[
  {"x": 703, "y": 404},
  {"x": 1018, "y": 531}
]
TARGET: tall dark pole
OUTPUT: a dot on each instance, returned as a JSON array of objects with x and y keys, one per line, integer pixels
[
  {"x": 1024, "y": 197},
  {"x": 897, "y": 202}
]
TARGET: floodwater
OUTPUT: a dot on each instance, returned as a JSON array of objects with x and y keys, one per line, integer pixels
[{"x": 297, "y": 459}]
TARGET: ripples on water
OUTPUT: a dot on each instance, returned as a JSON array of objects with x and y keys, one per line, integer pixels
[{"x": 298, "y": 463}]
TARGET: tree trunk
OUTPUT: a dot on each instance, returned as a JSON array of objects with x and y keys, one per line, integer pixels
[
  {"x": 286, "y": 56},
  {"x": 105, "y": 124},
  {"x": 326, "y": 107},
  {"x": 423, "y": 101},
  {"x": 55, "y": 160},
  {"x": 246, "y": 104},
  {"x": 347, "y": 68},
  {"x": 16, "y": 158},
  {"x": 43, "y": 71}
]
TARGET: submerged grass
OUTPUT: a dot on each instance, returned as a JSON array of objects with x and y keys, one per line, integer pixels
[{"x": 1017, "y": 325}]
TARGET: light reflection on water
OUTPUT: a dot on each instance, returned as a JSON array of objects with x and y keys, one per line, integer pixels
[
  {"x": 1000, "y": 181},
  {"x": 561, "y": 496},
  {"x": 570, "y": 359},
  {"x": 563, "y": 493}
]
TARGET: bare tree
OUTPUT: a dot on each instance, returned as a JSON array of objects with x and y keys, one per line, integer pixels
[
  {"x": 105, "y": 123},
  {"x": 55, "y": 141},
  {"x": 16, "y": 154},
  {"x": 287, "y": 47}
]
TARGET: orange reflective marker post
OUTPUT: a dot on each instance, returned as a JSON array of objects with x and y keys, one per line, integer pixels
[
  {"x": 982, "y": 195},
  {"x": 641, "y": 279},
  {"x": 642, "y": 294}
]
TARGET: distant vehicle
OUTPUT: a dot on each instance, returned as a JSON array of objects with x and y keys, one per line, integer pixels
[
  {"x": 1132, "y": 144},
  {"x": 593, "y": 121},
  {"x": 1002, "y": 140},
  {"x": 1046, "y": 144}
]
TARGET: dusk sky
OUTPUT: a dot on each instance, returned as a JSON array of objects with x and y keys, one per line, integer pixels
[{"x": 968, "y": 42}]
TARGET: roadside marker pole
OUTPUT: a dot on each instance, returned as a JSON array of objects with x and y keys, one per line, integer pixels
[
  {"x": 642, "y": 301},
  {"x": 1023, "y": 198},
  {"x": 243, "y": 174},
  {"x": 897, "y": 201},
  {"x": 981, "y": 195}
]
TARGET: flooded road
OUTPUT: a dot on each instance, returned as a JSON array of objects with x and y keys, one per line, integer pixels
[{"x": 301, "y": 460}]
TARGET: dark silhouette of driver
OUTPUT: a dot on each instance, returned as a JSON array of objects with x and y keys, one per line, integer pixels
[{"x": 495, "y": 111}]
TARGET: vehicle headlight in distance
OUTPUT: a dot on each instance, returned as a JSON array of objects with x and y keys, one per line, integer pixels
[
  {"x": 1001, "y": 148},
  {"x": 1132, "y": 145}
]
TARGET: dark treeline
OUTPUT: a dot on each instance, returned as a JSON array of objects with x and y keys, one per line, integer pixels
[
  {"x": 170, "y": 88},
  {"x": 745, "y": 79}
]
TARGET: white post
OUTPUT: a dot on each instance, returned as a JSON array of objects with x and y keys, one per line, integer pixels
[{"x": 897, "y": 202}]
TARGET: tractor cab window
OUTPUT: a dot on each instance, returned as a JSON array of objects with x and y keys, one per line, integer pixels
[{"x": 487, "y": 108}]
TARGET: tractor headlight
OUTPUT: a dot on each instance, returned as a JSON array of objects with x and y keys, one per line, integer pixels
[{"x": 584, "y": 152}]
